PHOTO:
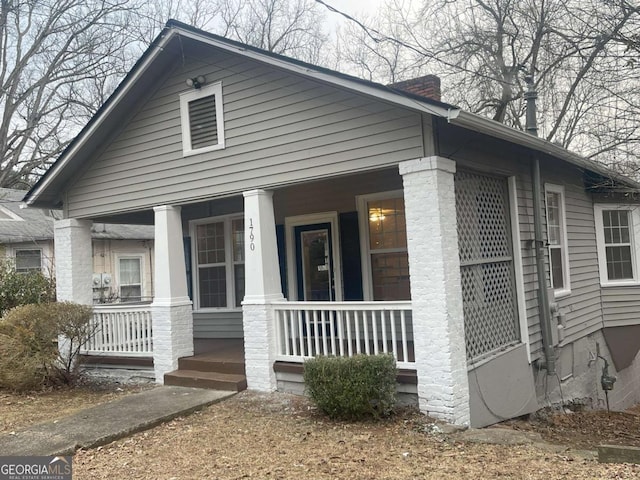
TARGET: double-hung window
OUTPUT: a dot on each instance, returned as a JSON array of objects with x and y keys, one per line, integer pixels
[
  {"x": 557, "y": 239},
  {"x": 201, "y": 114},
  {"x": 28, "y": 260},
  {"x": 386, "y": 258},
  {"x": 130, "y": 278},
  {"x": 617, "y": 243},
  {"x": 218, "y": 262}
]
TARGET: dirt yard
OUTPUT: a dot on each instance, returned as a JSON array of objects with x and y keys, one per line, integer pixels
[
  {"x": 283, "y": 437},
  {"x": 21, "y": 410}
]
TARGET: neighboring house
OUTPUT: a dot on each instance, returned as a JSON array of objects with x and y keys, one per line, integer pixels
[
  {"x": 323, "y": 214},
  {"x": 26, "y": 235},
  {"x": 122, "y": 254}
]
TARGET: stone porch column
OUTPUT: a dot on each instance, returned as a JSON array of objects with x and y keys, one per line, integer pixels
[
  {"x": 171, "y": 310},
  {"x": 262, "y": 286},
  {"x": 436, "y": 293},
  {"x": 73, "y": 260}
]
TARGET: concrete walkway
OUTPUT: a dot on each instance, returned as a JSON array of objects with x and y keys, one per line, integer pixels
[{"x": 110, "y": 421}]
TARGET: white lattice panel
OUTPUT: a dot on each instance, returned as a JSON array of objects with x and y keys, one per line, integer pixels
[{"x": 486, "y": 263}]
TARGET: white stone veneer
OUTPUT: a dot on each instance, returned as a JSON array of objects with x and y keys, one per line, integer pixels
[{"x": 436, "y": 294}]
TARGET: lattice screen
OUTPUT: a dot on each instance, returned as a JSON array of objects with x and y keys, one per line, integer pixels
[{"x": 486, "y": 263}]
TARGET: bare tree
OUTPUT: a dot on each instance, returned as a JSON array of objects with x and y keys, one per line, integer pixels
[
  {"x": 56, "y": 57},
  {"x": 289, "y": 27},
  {"x": 371, "y": 57},
  {"x": 578, "y": 51},
  {"x": 61, "y": 59}
]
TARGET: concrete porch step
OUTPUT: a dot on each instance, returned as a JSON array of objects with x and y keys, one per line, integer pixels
[{"x": 212, "y": 380}]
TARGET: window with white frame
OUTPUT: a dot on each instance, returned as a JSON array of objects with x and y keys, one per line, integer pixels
[
  {"x": 218, "y": 246},
  {"x": 130, "y": 274},
  {"x": 385, "y": 247},
  {"x": 201, "y": 113},
  {"x": 617, "y": 243},
  {"x": 28, "y": 260},
  {"x": 557, "y": 239}
]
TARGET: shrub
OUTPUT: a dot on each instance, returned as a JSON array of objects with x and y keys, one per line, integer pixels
[
  {"x": 23, "y": 288},
  {"x": 352, "y": 387},
  {"x": 29, "y": 354}
]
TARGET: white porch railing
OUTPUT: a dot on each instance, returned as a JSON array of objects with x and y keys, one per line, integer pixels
[
  {"x": 121, "y": 329},
  {"x": 308, "y": 329}
]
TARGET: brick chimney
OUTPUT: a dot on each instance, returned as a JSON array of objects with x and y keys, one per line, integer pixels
[{"x": 427, "y": 86}]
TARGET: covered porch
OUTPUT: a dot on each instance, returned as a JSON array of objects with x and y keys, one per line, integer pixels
[{"x": 284, "y": 317}]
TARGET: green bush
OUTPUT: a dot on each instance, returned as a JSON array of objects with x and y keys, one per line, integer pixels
[
  {"x": 29, "y": 353},
  {"x": 352, "y": 388},
  {"x": 23, "y": 288}
]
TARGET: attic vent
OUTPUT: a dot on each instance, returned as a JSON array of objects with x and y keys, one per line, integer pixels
[{"x": 202, "y": 120}]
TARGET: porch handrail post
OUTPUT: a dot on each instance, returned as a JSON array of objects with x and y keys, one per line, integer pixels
[
  {"x": 436, "y": 292},
  {"x": 262, "y": 287}
]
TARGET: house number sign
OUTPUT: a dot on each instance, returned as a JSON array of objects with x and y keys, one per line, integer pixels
[{"x": 252, "y": 237}]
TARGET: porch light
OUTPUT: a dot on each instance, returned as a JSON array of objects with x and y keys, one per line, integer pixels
[{"x": 196, "y": 82}]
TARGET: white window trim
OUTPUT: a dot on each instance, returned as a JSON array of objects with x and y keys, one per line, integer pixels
[
  {"x": 634, "y": 231},
  {"x": 125, "y": 256},
  {"x": 299, "y": 220},
  {"x": 46, "y": 256},
  {"x": 228, "y": 261},
  {"x": 518, "y": 265},
  {"x": 564, "y": 245},
  {"x": 186, "y": 97},
  {"x": 363, "y": 225},
  {"x": 20, "y": 249}
]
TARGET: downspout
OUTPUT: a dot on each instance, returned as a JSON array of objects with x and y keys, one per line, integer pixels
[{"x": 539, "y": 243}]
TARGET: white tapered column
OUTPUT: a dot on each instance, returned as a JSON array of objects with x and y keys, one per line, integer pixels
[
  {"x": 171, "y": 309},
  {"x": 262, "y": 286}
]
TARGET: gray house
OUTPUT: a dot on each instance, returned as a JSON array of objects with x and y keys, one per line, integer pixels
[
  {"x": 121, "y": 255},
  {"x": 300, "y": 212}
]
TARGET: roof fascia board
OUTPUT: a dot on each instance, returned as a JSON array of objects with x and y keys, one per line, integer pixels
[
  {"x": 111, "y": 104},
  {"x": 389, "y": 96},
  {"x": 496, "y": 129}
]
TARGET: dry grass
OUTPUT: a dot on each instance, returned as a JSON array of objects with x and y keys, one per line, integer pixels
[
  {"x": 278, "y": 436},
  {"x": 21, "y": 410}
]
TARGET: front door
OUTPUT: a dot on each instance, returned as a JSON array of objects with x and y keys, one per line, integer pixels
[{"x": 314, "y": 262}]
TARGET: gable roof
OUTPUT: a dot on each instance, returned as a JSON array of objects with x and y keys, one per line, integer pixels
[
  {"x": 167, "y": 46},
  {"x": 36, "y": 224}
]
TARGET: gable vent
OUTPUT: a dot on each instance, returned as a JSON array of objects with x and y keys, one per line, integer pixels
[{"x": 203, "y": 123}]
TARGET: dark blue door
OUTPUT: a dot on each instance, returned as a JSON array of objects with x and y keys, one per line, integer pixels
[{"x": 314, "y": 265}]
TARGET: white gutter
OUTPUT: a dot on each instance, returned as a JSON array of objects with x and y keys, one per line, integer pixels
[{"x": 499, "y": 130}]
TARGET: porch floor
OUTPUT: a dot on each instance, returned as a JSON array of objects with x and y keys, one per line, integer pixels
[{"x": 217, "y": 364}]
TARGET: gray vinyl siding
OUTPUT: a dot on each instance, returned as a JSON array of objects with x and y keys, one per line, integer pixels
[
  {"x": 621, "y": 306},
  {"x": 223, "y": 324},
  {"x": 279, "y": 129},
  {"x": 583, "y": 306}
]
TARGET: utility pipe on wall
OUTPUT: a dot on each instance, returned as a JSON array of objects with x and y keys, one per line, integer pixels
[{"x": 539, "y": 242}]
